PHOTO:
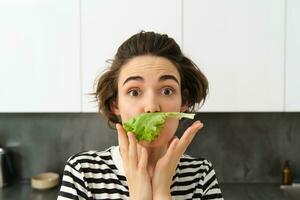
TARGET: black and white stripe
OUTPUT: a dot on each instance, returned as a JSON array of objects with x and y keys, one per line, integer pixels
[{"x": 94, "y": 175}]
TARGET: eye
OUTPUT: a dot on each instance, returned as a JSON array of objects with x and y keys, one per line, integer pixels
[
  {"x": 134, "y": 92},
  {"x": 167, "y": 91}
]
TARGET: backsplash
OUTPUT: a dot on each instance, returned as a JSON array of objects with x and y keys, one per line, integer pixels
[{"x": 243, "y": 147}]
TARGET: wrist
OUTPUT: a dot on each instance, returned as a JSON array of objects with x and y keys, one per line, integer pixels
[{"x": 162, "y": 196}]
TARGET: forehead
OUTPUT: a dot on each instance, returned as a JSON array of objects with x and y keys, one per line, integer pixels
[{"x": 148, "y": 66}]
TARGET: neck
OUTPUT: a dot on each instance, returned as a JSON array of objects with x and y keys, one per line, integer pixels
[{"x": 154, "y": 154}]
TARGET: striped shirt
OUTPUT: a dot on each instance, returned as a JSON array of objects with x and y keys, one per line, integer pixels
[{"x": 100, "y": 175}]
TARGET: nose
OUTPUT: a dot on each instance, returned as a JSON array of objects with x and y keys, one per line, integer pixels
[
  {"x": 152, "y": 108},
  {"x": 151, "y": 105}
]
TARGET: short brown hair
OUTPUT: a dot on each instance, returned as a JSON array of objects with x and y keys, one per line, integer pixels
[{"x": 194, "y": 85}]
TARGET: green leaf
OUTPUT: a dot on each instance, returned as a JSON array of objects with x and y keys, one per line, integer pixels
[{"x": 147, "y": 126}]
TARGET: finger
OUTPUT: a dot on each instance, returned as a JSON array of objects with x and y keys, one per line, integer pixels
[
  {"x": 143, "y": 162},
  {"x": 169, "y": 143},
  {"x": 122, "y": 139},
  {"x": 132, "y": 149},
  {"x": 188, "y": 136},
  {"x": 172, "y": 147}
]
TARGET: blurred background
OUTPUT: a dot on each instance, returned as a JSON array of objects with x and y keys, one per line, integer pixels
[{"x": 51, "y": 53}]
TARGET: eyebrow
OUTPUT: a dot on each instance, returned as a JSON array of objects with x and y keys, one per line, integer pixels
[
  {"x": 162, "y": 78},
  {"x": 168, "y": 77},
  {"x": 135, "y": 78}
]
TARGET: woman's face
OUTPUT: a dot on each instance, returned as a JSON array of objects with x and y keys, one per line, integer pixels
[{"x": 150, "y": 84}]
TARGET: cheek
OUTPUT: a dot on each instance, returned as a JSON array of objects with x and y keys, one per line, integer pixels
[
  {"x": 172, "y": 104},
  {"x": 170, "y": 127},
  {"x": 127, "y": 110}
]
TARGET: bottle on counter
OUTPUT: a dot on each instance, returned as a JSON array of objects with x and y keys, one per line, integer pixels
[{"x": 287, "y": 177}]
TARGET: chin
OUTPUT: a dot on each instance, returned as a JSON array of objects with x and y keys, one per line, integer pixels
[{"x": 154, "y": 144}]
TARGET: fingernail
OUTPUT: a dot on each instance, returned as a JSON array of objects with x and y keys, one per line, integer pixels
[
  {"x": 130, "y": 134},
  {"x": 198, "y": 123}
]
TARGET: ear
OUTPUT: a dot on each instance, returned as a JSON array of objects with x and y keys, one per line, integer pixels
[
  {"x": 115, "y": 108},
  {"x": 185, "y": 102},
  {"x": 184, "y": 107}
]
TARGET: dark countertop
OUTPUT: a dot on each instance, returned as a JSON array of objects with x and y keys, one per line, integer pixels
[
  {"x": 24, "y": 191},
  {"x": 231, "y": 191},
  {"x": 252, "y": 191}
]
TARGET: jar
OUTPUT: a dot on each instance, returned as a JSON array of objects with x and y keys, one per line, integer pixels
[{"x": 287, "y": 177}]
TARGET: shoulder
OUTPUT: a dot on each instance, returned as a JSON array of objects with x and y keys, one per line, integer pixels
[
  {"x": 93, "y": 157},
  {"x": 193, "y": 162},
  {"x": 199, "y": 168},
  {"x": 200, "y": 172}
]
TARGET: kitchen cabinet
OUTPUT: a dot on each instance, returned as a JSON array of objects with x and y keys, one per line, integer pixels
[
  {"x": 106, "y": 24},
  {"x": 52, "y": 51},
  {"x": 239, "y": 45},
  {"x": 39, "y": 65},
  {"x": 292, "y": 66}
]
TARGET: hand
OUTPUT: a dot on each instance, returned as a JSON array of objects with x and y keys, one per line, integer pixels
[
  {"x": 138, "y": 179},
  {"x": 166, "y": 166}
]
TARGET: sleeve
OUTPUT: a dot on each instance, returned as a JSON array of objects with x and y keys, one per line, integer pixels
[
  {"x": 208, "y": 185},
  {"x": 73, "y": 185}
]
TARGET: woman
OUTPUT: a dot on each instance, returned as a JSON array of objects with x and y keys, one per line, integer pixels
[{"x": 148, "y": 74}]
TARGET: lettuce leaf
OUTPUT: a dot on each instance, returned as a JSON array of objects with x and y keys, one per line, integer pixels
[{"x": 147, "y": 126}]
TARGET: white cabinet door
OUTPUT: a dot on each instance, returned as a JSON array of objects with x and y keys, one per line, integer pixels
[
  {"x": 107, "y": 23},
  {"x": 239, "y": 45},
  {"x": 39, "y": 50},
  {"x": 292, "y": 78}
]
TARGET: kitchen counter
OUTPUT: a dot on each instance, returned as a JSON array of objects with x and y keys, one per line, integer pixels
[
  {"x": 252, "y": 191},
  {"x": 231, "y": 191},
  {"x": 24, "y": 191}
]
